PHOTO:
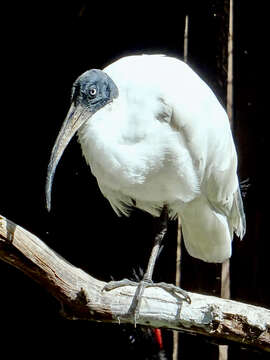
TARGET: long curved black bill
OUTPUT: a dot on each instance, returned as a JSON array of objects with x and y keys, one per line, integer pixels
[{"x": 76, "y": 117}]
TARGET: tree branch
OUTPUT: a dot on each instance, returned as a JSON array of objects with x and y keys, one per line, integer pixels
[{"x": 82, "y": 297}]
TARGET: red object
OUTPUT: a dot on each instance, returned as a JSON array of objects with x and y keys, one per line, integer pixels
[{"x": 159, "y": 338}]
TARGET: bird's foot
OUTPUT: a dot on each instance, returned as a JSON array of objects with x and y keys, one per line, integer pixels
[{"x": 133, "y": 311}]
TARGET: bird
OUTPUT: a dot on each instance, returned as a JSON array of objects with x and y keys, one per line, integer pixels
[{"x": 157, "y": 138}]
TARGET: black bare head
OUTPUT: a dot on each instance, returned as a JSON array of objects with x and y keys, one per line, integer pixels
[
  {"x": 94, "y": 89},
  {"x": 90, "y": 92}
]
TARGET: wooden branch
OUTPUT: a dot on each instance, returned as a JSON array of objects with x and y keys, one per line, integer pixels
[{"x": 82, "y": 297}]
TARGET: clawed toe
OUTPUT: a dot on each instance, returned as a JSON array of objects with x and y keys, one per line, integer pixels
[
  {"x": 176, "y": 291},
  {"x": 171, "y": 289},
  {"x": 116, "y": 284}
]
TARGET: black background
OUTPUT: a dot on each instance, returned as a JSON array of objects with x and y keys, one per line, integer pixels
[{"x": 45, "y": 47}]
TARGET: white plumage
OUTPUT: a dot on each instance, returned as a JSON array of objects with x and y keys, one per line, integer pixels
[{"x": 167, "y": 140}]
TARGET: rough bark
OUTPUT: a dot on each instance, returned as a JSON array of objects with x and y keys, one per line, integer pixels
[{"x": 82, "y": 296}]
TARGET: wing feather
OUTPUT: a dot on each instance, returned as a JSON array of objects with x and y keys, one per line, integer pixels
[{"x": 203, "y": 123}]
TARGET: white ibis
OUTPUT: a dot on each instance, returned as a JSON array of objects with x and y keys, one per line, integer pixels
[{"x": 156, "y": 138}]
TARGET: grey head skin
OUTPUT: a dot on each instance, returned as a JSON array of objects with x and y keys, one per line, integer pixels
[{"x": 90, "y": 92}]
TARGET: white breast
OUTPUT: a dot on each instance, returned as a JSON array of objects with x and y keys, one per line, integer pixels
[{"x": 132, "y": 152}]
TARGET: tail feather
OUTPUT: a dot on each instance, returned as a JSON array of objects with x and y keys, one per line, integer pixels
[
  {"x": 206, "y": 232},
  {"x": 237, "y": 217}
]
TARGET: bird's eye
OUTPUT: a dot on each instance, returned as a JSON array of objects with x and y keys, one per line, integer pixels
[{"x": 93, "y": 92}]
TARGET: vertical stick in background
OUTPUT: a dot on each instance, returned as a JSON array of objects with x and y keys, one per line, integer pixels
[
  {"x": 230, "y": 66},
  {"x": 186, "y": 39},
  {"x": 225, "y": 269},
  {"x": 179, "y": 234}
]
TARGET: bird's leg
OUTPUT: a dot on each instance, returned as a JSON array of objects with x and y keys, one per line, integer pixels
[
  {"x": 147, "y": 278},
  {"x": 161, "y": 231}
]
